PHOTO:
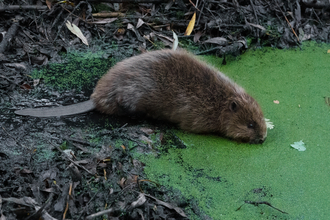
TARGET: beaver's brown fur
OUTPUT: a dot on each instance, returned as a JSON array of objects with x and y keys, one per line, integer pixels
[{"x": 175, "y": 86}]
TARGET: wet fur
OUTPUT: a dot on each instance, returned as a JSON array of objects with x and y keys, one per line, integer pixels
[{"x": 176, "y": 86}]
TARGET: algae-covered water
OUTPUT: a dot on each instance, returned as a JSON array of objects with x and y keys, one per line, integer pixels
[{"x": 225, "y": 177}]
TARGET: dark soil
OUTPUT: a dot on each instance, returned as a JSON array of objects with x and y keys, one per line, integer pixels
[{"x": 86, "y": 166}]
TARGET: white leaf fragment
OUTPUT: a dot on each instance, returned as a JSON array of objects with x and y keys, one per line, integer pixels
[
  {"x": 175, "y": 42},
  {"x": 76, "y": 31},
  {"x": 140, "y": 23},
  {"x": 69, "y": 153},
  {"x": 300, "y": 145},
  {"x": 269, "y": 124}
]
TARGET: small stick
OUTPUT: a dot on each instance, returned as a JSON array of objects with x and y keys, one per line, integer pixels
[
  {"x": 291, "y": 27},
  {"x": 67, "y": 202},
  {"x": 259, "y": 203},
  {"x": 71, "y": 13},
  {"x": 18, "y": 143},
  {"x": 257, "y": 20},
  {"x": 67, "y": 157},
  {"x": 317, "y": 17},
  {"x": 99, "y": 213},
  {"x": 86, "y": 206},
  {"x": 194, "y": 4},
  {"x": 288, "y": 22}
]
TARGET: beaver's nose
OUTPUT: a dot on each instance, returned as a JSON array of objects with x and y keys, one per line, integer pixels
[{"x": 261, "y": 141}]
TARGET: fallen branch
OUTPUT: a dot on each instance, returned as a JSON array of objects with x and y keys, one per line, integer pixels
[{"x": 26, "y": 7}]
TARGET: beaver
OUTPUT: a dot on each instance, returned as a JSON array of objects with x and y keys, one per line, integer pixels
[{"x": 177, "y": 87}]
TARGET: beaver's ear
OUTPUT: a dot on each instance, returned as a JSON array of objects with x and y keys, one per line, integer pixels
[{"x": 233, "y": 106}]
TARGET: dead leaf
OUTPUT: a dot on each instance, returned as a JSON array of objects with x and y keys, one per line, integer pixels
[
  {"x": 40, "y": 60},
  {"x": 140, "y": 23},
  {"x": 217, "y": 40},
  {"x": 146, "y": 139},
  {"x": 103, "y": 165},
  {"x": 28, "y": 201},
  {"x": 131, "y": 180},
  {"x": 140, "y": 201},
  {"x": 103, "y": 21},
  {"x": 76, "y": 31},
  {"x": 177, "y": 209},
  {"x": 107, "y": 160},
  {"x": 131, "y": 27},
  {"x": 120, "y": 31},
  {"x": 164, "y": 37},
  {"x": 19, "y": 66},
  {"x": 327, "y": 100},
  {"x": 147, "y": 130},
  {"x": 197, "y": 36},
  {"x": 300, "y": 145},
  {"x": 36, "y": 82},
  {"x": 49, "y": 190},
  {"x": 67, "y": 2},
  {"x": 25, "y": 171},
  {"x": 49, "y": 4},
  {"x": 169, "y": 5},
  {"x": 105, "y": 174},
  {"x": 191, "y": 25},
  {"x": 255, "y": 25},
  {"x": 122, "y": 182},
  {"x": 26, "y": 86}
]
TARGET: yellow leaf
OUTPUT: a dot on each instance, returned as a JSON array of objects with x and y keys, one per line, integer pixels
[
  {"x": 190, "y": 25},
  {"x": 328, "y": 51}
]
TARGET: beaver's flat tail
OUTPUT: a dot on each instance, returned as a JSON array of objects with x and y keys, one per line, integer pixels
[{"x": 58, "y": 111}]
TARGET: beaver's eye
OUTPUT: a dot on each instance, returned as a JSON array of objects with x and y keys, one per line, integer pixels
[{"x": 250, "y": 125}]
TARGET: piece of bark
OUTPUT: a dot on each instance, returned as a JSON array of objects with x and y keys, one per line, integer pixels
[{"x": 8, "y": 37}]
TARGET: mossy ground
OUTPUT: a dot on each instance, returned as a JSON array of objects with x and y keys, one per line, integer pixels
[
  {"x": 78, "y": 70},
  {"x": 221, "y": 174}
]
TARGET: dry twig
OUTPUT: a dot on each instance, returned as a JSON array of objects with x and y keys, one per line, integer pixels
[
  {"x": 26, "y": 7},
  {"x": 288, "y": 22},
  {"x": 260, "y": 203}
]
